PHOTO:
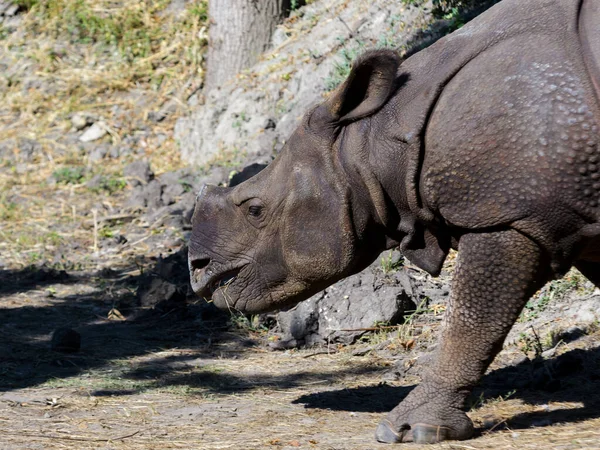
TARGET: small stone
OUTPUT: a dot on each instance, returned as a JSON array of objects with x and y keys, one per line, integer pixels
[
  {"x": 168, "y": 109},
  {"x": 65, "y": 340},
  {"x": 550, "y": 353},
  {"x": 285, "y": 344},
  {"x": 521, "y": 359},
  {"x": 157, "y": 292},
  {"x": 80, "y": 121},
  {"x": 489, "y": 423},
  {"x": 115, "y": 152},
  {"x": 138, "y": 173},
  {"x": 12, "y": 10},
  {"x": 98, "y": 153},
  {"x": 269, "y": 124},
  {"x": 95, "y": 132}
]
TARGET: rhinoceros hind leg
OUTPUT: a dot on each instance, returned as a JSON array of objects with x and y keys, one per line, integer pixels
[{"x": 495, "y": 276}]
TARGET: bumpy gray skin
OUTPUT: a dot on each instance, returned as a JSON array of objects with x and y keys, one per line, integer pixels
[{"x": 486, "y": 142}]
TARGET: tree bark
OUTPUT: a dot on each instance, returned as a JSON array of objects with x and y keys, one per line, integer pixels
[{"x": 239, "y": 31}]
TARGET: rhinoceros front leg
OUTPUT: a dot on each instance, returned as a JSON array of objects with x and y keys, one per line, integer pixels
[{"x": 495, "y": 275}]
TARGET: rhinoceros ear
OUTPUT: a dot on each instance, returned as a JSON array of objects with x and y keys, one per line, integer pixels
[{"x": 371, "y": 81}]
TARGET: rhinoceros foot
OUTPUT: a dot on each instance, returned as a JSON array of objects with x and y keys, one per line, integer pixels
[
  {"x": 428, "y": 423},
  {"x": 419, "y": 433}
]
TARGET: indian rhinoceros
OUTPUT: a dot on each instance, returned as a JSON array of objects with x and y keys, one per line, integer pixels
[{"x": 486, "y": 142}]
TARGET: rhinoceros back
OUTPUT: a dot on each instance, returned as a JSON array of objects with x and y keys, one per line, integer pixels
[
  {"x": 589, "y": 32},
  {"x": 513, "y": 138}
]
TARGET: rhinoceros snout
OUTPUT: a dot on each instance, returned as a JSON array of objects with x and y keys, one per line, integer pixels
[
  {"x": 206, "y": 259},
  {"x": 198, "y": 271}
]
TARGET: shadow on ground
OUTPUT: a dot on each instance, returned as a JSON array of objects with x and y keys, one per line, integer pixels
[
  {"x": 27, "y": 360},
  {"x": 34, "y": 302},
  {"x": 222, "y": 382},
  {"x": 194, "y": 332},
  {"x": 573, "y": 377}
]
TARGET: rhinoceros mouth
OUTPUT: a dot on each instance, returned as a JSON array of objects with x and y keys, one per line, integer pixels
[{"x": 206, "y": 277}]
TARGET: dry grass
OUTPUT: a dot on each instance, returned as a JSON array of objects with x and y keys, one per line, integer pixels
[
  {"x": 115, "y": 61},
  {"x": 97, "y": 56}
]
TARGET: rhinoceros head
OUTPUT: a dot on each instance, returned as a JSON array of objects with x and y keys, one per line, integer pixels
[{"x": 302, "y": 223}]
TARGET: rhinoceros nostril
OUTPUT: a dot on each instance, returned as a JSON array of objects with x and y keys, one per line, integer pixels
[{"x": 199, "y": 264}]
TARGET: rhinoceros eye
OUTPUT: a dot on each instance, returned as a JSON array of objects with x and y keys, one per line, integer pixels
[{"x": 255, "y": 210}]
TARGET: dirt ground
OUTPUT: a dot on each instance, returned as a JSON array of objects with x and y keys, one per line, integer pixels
[{"x": 173, "y": 380}]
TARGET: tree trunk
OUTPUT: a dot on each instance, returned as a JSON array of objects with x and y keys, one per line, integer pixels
[{"x": 239, "y": 31}]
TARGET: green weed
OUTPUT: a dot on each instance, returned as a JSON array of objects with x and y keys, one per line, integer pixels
[
  {"x": 199, "y": 11},
  {"x": 9, "y": 210},
  {"x": 106, "y": 233},
  {"x": 109, "y": 185},
  {"x": 240, "y": 120},
  {"x": 482, "y": 401},
  {"x": 530, "y": 342},
  {"x": 252, "y": 323},
  {"x": 187, "y": 187},
  {"x": 69, "y": 175},
  {"x": 556, "y": 289},
  {"x": 454, "y": 18},
  {"x": 25, "y": 4},
  {"x": 53, "y": 238},
  {"x": 125, "y": 28},
  {"x": 390, "y": 264}
]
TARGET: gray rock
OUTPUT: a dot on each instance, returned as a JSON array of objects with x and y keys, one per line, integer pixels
[
  {"x": 153, "y": 192},
  {"x": 6, "y": 148},
  {"x": 79, "y": 121},
  {"x": 125, "y": 150},
  {"x": 258, "y": 112},
  {"x": 171, "y": 193},
  {"x": 96, "y": 183},
  {"x": 345, "y": 310},
  {"x": 12, "y": 10},
  {"x": 587, "y": 315},
  {"x": 114, "y": 152},
  {"x": 166, "y": 110},
  {"x": 157, "y": 292},
  {"x": 160, "y": 139},
  {"x": 138, "y": 173},
  {"x": 28, "y": 149},
  {"x": 98, "y": 153},
  {"x": 280, "y": 35},
  {"x": 95, "y": 132}
]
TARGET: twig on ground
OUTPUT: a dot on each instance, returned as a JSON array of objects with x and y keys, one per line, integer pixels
[
  {"x": 322, "y": 352},
  {"x": 72, "y": 438},
  {"x": 95, "y": 214}
]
